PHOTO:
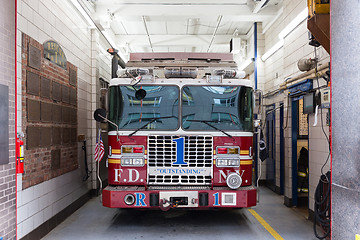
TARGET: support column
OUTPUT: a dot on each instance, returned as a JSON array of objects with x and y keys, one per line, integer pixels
[
  {"x": 95, "y": 51},
  {"x": 345, "y": 58}
]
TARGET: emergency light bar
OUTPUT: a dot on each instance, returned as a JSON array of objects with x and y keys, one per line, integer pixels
[
  {"x": 229, "y": 73},
  {"x": 134, "y": 72},
  {"x": 180, "y": 72}
]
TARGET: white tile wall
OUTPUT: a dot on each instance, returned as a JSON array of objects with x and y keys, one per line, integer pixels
[
  {"x": 41, "y": 202},
  {"x": 58, "y": 20},
  {"x": 318, "y": 153},
  {"x": 284, "y": 64}
]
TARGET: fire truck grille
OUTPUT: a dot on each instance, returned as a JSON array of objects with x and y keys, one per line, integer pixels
[
  {"x": 171, "y": 179},
  {"x": 198, "y": 158}
]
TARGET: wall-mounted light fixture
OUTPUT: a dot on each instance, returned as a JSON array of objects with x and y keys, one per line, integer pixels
[
  {"x": 83, "y": 13},
  {"x": 285, "y": 32},
  {"x": 97, "y": 25},
  {"x": 273, "y": 49},
  {"x": 294, "y": 23}
]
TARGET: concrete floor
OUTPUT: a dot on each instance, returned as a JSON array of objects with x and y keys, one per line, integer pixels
[{"x": 93, "y": 221}]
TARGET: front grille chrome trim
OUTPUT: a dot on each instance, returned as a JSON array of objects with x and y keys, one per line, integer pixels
[
  {"x": 162, "y": 154},
  {"x": 181, "y": 188}
]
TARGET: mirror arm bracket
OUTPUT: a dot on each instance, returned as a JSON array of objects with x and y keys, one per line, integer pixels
[{"x": 117, "y": 127}]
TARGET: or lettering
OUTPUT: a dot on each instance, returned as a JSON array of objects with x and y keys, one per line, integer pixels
[{"x": 140, "y": 197}]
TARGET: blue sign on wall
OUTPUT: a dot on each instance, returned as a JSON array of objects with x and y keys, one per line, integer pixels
[{"x": 301, "y": 87}]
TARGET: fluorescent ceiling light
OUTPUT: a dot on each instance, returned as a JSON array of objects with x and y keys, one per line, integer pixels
[
  {"x": 246, "y": 63},
  {"x": 83, "y": 13},
  {"x": 272, "y": 50},
  {"x": 294, "y": 23}
]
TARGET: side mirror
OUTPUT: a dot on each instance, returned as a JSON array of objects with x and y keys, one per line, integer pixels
[
  {"x": 100, "y": 115},
  {"x": 140, "y": 94}
]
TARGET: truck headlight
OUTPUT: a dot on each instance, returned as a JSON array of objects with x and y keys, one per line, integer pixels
[
  {"x": 233, "y": 180},
  {"x": 234, "y": 162},
  {"x": 226, "y": 162},
  {"x": 221, "y": 162},
  {"x": 136, "y": 162},
  {"x": 126, "y": 162}
]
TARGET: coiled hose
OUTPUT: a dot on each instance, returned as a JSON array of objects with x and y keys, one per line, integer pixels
[{"x": 322, "y": 206}]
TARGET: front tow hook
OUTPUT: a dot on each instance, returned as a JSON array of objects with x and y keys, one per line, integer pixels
[{"x": 167, "y": 208}]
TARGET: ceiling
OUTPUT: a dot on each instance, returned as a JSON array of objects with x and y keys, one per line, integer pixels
[{"x": 180, "y": 26}]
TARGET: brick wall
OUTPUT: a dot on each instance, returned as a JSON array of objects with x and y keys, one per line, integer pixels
[
  {"x": 7, "y": 80},
  {"x": 49, "y": 110}
]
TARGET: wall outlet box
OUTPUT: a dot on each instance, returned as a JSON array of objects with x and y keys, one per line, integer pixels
[
  {"x": 325, "y": 97},
  {"x": 81, "y": 138}
]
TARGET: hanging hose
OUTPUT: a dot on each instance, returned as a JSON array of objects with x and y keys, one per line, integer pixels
[
  {"x": 87, "y": 172},
  {"x": 322, "y": 206}
]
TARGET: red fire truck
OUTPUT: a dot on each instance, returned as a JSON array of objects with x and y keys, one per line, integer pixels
[{"x": 180, "y": 133}]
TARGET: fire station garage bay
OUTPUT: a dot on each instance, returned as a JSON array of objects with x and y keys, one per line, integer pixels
[{"x": 179, "y": 119}]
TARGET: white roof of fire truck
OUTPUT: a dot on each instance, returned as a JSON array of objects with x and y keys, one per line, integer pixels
[{"x": 181, "y": 69}]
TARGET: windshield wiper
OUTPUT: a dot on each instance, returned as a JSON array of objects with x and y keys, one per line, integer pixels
[
  {"x": 208, "y": 123},
  {"x": 145, "y": 125}
]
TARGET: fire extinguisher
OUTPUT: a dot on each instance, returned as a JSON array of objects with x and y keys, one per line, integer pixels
[{"x": 19, "y": 155}]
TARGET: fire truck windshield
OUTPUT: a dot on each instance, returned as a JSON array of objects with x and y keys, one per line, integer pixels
[
  {"x": 226, "y": 107},
  {"x": 130, "y": 113}
]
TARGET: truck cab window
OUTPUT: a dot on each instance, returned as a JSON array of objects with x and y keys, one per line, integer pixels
[
  {"x": 131, "y": 113},
  {"x": 225, "y": 107}
]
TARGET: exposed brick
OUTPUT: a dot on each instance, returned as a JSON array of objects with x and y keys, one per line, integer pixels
[
  {"x": 8, "y": 205},
  {"x": 4, "y": 186},
  {"x": 4, "y": 212},
  {"x": 8, "y": 191},
  {"x": 4, "y": 199},
  {"x": 56, "y": 126}
]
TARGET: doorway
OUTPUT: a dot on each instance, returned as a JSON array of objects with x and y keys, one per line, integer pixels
[
  {"x": 271, "y": 145},
  {"x": 282, "y": 151},
  {"x": 300, "y": 154}
]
